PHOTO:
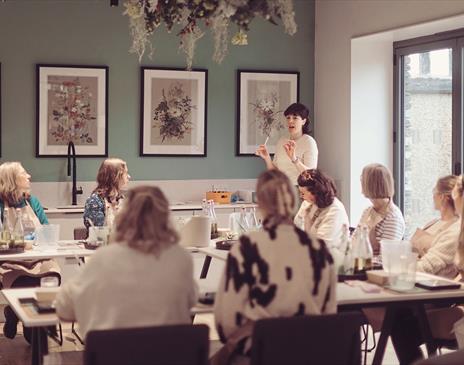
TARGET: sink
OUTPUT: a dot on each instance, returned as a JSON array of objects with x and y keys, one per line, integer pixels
[{"x": 70, "y": 207}]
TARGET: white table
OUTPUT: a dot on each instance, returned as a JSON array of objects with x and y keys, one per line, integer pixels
[
  {"x": 39, "y": 322},
  {"x": 69, "y": 248},
  {"x": 354, "y": 298}
]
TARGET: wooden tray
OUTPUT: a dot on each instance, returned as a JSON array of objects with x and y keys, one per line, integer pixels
[
  {"x": 225, "y": 245},
  {"x": 12, "y": 251}
]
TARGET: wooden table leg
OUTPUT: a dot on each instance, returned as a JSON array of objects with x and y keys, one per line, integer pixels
[
  {"x": 205, "y": 268},
  {"x": 387, "y": 325}
]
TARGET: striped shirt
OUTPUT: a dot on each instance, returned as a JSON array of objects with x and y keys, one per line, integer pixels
[
  {"x": 392, "y": 226},
  {"x": 387, "y": 226}
]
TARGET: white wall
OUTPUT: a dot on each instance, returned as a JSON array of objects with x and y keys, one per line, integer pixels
[
  {"x": 371, "y": 130},
  {"x": 337, "y": 23}
]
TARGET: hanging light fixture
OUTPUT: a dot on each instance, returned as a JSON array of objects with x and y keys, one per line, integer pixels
[{"x": 114, "y": 3}]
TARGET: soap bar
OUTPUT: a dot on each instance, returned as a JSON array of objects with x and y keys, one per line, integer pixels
[{"x": 378, "y": 277}]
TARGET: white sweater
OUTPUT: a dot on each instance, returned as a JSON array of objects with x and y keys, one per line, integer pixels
[
  {"x": 305, "y": 149},
  {"x": 326, "y": 223},
  {"x": 121, "y": 287},
  {"x": 439, "y": 258}
]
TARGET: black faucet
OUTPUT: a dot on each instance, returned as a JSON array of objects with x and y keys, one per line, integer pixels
[{"x": 72, "y": 153}]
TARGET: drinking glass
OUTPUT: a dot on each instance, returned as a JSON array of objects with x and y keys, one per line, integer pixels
[
  {"x": 403, "y": 275},
  {"x": 49, "y": 282}
]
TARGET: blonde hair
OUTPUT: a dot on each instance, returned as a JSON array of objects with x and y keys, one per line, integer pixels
[
  {"x": 109, "y": 177},
  {"x": 275, "y": 195},
  {"x": 377, "y": 182},
  {"x": 144, "y": 222},
  {"x": 9, "y": 193},
  {"x": 445, "y": 187}
]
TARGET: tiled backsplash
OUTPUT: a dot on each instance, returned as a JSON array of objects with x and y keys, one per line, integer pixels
[{"x": 53, "y": 194}]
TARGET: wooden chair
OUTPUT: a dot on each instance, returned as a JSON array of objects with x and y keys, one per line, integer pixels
[
  {"x": 325, "y": 339},
  {"x": 161, "y": 345}
]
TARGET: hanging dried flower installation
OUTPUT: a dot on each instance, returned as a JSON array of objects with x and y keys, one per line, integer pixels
[{"x": 191, "y": 16}]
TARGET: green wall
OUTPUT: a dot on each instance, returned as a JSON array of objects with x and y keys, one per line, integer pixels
[{"x": 91, "y": 32}]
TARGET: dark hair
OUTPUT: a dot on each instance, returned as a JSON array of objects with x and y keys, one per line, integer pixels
[
  {"x": 302, "y": 111},
  {"x": 320, "y": 185}
]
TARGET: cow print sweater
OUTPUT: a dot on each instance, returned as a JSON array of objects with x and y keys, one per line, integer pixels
[{"x": 277, "y": 272}]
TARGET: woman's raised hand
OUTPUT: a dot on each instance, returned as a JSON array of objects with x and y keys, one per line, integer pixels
[
  {"x": 290, "y": 149},
  {"x": 262, "y": 152}
]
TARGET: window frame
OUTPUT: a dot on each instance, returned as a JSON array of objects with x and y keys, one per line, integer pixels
[{"x": 455, "y": 41}]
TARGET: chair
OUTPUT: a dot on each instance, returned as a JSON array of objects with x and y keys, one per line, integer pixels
[
  {"x": 80, "y": 233},
  {"x": 452, "y": 358},
  {"x": 325, "y": 339},
  {"x": 161, "y": 345}
]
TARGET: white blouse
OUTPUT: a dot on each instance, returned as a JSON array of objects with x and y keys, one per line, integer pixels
[
  {"x": 305, "y": 149},
  {"x": 326, "y": 223}
]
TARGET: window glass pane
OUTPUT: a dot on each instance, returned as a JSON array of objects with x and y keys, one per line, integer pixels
[{"x": 427, "y": 111}]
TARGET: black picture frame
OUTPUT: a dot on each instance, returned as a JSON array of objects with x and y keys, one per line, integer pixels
[
  {"x": 262, "y": 96},
  {"x": 1, "y": 134},
  {"x": 164, "y": 132},
  {"x": 71, "y": 105}
]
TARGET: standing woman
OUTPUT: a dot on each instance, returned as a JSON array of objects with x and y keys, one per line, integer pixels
[
  {"x": 383, "y": 219},
  {"x": 15, "y": 186},
  {"x": 298, "y": 151},
  {"x": 104, "y": 202}
]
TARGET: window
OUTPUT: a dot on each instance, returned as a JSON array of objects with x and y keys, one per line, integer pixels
[{"x": 428, "y": 122}]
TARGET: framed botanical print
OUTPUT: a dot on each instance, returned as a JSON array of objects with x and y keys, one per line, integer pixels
[
  {"x": 72, "y": 106},
  {"x": 173, "y": 112},
  {"x": 262, "y": 98}
]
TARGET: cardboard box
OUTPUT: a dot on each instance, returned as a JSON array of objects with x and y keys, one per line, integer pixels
[
  {"x": 219, "y": 197},
  {"x": 378, "y": 277}
]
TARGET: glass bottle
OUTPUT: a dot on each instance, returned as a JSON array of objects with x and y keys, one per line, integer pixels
[
  {"x": 243, "y": 220},
  {"x": 363, "y": 254},
  {"x": 347, "y": 265},
  {"x": 6, "y": 227},
  {"x": 212, "y": 215},
  {"x": 254, "y": 221},
  {"x": 18, "y": 231},
  {"x": 204, "y": 207}
]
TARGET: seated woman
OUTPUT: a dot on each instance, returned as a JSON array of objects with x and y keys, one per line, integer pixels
[
  {"x": 437, "y": 242},
  {"x": 322, "y": 213},
  {"x": 383, "y": 219},
  {"x": 142, "y": 279},
  {"x": 103, "y": 203},
  {"x": 279, "y": 271},
  {"x": 15, "y": 193},
  {"x": 406, "y": 334}
]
